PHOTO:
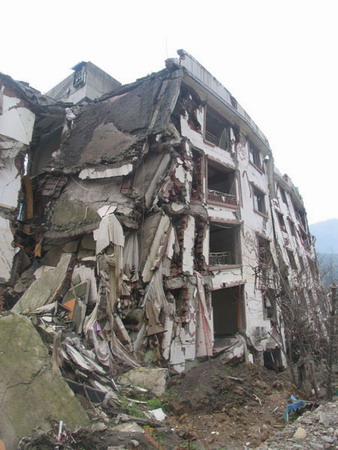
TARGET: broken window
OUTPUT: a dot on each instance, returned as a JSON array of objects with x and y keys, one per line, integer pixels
[
  {"x": 300, "y": 217},
  {"x": 79, "y": 76},
  {"x": 269, "y": 304},
  {"x": 224, "y": 246},
  {"x": 217, "y": 129},
  {"x": 221, "y": 184},
  {"x": 228, "y": 311},
  {"x": 264, "y": 253},
  {"x": 263, "y": 273},
  {"x": 283, "y": 195},
  {"x": 292, "y": 260},
  {"x": 259, "y": 200},
  {"x": 292, "y": 227},
  {"x": 304, "y": 238},
  {"x": 281, "y": 222},
  {"x": 255, "y": 156},
  {"x": 188, "y": 106}
]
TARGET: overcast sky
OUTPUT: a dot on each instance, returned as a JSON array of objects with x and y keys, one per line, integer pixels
[{"x": 277, "y": 57}]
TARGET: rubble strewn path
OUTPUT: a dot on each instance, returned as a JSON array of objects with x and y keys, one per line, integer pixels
[{"x": 313, "y": 430}]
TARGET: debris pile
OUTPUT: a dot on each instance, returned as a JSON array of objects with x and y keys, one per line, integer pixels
[
  {"x": 215, "y": 385},
  {"x": 70, "y": 388},
  {"x": 316, "y": 430}
]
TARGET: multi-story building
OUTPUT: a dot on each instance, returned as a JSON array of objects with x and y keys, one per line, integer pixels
[{"x": 180, "y": 227}]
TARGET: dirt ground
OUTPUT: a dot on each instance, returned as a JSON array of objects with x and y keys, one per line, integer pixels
[
  {"x": 215, "y": 405},
  {"x": 229, "y": 407}
]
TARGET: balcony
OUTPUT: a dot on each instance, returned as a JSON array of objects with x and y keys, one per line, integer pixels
[
  {"x": 222, "y": 197},
  {"x": 224, "y": 245},
  {"x": 220, "y": 259}
]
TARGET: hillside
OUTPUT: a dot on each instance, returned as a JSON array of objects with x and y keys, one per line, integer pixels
[{"x": 326, "y": 234}]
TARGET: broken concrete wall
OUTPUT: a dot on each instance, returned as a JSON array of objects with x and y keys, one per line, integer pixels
[
  {"x": 45, "y": 289},
  {"x": 16, "y": 129},
  {"x": 7, "y": 251},
  {"x": 16, "y": 119},
  {"x": 31, "y": 395}
]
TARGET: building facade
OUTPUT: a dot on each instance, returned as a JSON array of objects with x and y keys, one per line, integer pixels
[{"x": 162, "y": 201}]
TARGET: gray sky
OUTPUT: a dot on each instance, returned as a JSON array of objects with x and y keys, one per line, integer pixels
[{"x": 277, "y": 57}]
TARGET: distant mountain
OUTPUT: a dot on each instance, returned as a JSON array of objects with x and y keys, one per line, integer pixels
[
  {"x": 326, "y": 234},
  {"x": 328, "y": 266}
]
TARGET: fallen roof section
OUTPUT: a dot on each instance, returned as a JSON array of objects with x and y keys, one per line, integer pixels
[{"x": 114, "y": 130}]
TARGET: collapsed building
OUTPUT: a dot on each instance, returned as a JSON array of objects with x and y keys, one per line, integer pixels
[{"x": 154, "y": 215}]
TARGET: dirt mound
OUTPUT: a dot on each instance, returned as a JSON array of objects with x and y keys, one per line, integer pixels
[
  {"x": 226, "y": 406},
  {"x": 217, "y": 386}
]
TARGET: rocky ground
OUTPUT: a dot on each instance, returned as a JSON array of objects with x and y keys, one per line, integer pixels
[{"x": 313, "y": 430}]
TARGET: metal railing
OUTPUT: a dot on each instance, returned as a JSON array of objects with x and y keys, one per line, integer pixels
[
  {"x": 220, "y": 258},
  {"x": 222, "y": 197},
  {"x": 211, "y": 138}
]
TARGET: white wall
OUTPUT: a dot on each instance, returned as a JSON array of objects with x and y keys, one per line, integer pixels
[{"x": 16, "y": 130}]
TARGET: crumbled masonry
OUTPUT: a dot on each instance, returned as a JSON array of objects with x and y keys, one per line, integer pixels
[{"x": 152, "y": 221}]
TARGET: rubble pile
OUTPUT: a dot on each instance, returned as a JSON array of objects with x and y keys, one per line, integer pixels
[
  {"x": 317, "y": 430},
  {"x": 77, "y": 400}
]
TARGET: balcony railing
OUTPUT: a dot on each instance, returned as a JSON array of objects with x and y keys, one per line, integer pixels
[
  {"x": 211, "y": 138},
  {"x": 220, "y": 258},
  {"x": 222, "y": 197}
]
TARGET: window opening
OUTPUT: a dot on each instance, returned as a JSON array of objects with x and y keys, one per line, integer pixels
[
  {"x": 292, "y": 228},
  {"x": 259, "y": 201},
  {"x": 217, "y": 129},
  {"x": 255, "y": 156},
  {"x": 281, "y": 222},
  {"x": 269, "y": 304},
  {"x": 263, "y": 272},
  {"x": 300, "y": 217},
  {"x": 221, "y": 185},
  {"x": 79, "y": 76},
  {"x": 283, "y": 195},
  {"x": 224, "y": 245},
  {"x": 305, "y": 239},
  {"x": 292, "y": 260},
  {"x": 264, "y": 253}
]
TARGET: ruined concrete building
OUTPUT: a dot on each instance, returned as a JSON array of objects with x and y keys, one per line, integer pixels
[{"x": 154, "y": 215}]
